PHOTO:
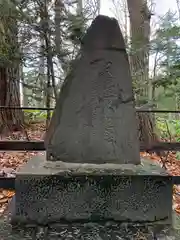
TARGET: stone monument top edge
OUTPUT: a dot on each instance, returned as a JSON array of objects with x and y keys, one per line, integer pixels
[{"x": 104, "y": 33}]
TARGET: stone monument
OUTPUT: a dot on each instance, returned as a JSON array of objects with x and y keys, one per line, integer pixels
[
  {"x": 92, "y": 184},
  {"x": 94, "y": 120}
]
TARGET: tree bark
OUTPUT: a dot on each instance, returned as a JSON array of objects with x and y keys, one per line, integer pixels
[
  {"x": 10, "y": 119},
  {"x": 139, "y": 58},
  {"x": 42, "y": 76},
  {"x": 58, "y": 9},
  {"x": 139, "y": 62}
]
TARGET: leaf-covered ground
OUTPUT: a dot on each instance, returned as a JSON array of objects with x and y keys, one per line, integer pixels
[
  {"x": 11, "y": 161},
  {"x": 173, "y": 167}
]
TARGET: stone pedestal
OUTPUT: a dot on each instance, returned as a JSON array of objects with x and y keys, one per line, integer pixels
[
  {"x": 57, "y": 191},
  {"x": 92, "y": 199},
  {"x": 57, "y": 200}
]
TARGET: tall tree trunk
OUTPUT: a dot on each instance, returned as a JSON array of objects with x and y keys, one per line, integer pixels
[
  {"x": 58, "y": 9},
  {"x": 44, "y": 15},
  {"x": 10, "y": 119},
  {"x": 139, "y": 57},
  {"x": 139, "y": 61},
  {"x": 42, "y": 75}
]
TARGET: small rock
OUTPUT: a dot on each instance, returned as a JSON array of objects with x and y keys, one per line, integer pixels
[
  {"x": 8, "y": 170},
  {"x": 9, "y": 175}
]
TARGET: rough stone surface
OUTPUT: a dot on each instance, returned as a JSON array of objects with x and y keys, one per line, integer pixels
[
  {"x": 91, "y": 231},
  {"x": 88, "y": 231},
  {"x": 47, "y": 195},
  {"x": 39, "y": 166},
  {"x": 94, "y": 120}
]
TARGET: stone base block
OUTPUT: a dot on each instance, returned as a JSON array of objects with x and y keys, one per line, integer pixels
[
  {"x": 104, "y": 230},
  {"x": 88, "y": 231},
  {"x": 57, "y": 192},
  {"x": 92, "y": 231}
]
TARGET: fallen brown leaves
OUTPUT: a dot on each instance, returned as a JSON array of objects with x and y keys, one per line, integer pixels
[
  {"x": 11, "y": 161},
  {"x": 5, "y": 197}
]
